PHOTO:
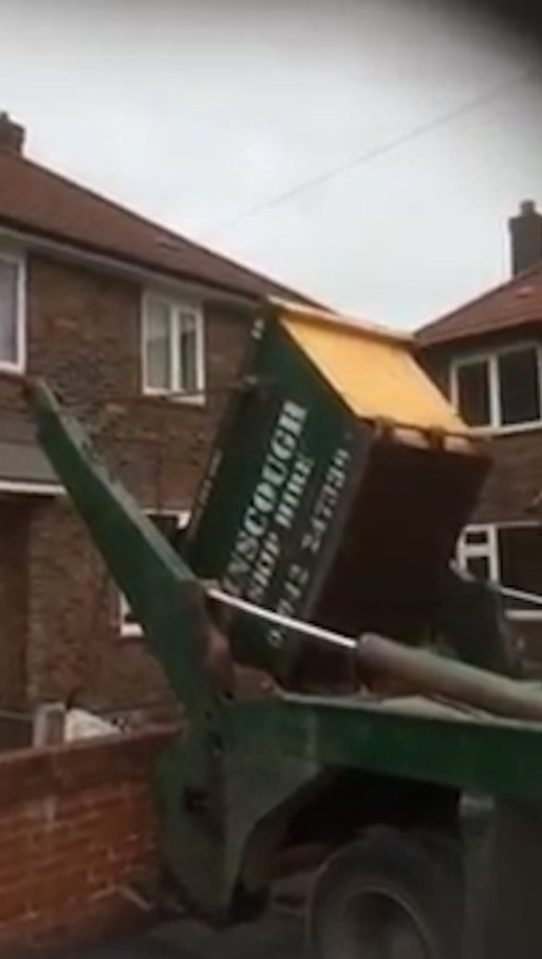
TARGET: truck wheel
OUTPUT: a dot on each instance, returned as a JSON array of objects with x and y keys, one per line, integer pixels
[{"x": 386, "y": 897}]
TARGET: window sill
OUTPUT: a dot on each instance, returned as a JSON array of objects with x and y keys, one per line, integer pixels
[
  {"x": 198, "y": 400},
  {"x": 525, "y": 616},
  {"x": 128, "y": 635},
  {"x": 12, "y": 369},
  {"x": 515, "y": 428}
]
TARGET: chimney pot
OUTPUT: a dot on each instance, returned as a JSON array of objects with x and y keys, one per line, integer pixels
[
  {"x": 12, "y": 135},
  {"x": 526, "y": 207},
  {"x": 526, "y": 237}
]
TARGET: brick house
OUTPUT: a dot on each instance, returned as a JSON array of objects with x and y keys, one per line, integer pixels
[
  {"x": 141, "y": 332},
  {"x": 487, "y": 355}
]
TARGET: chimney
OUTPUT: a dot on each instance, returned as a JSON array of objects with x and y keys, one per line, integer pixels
[
  {"x": 11, "y": 135},
  {"x": 526, "y": 237}
]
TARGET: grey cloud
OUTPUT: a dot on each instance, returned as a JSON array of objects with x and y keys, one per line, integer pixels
[{"x": 196, "y": 113}]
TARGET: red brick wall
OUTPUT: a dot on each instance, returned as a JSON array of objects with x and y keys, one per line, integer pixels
[
  {"x": 73, "y": 639},
  {"x": 76, "y": 828},
  {"x": 515, "y": 478},
  {"x": 84, "y": 336}
]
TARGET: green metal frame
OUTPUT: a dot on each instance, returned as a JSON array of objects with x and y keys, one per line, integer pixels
[{"x": 238, "y": 762}]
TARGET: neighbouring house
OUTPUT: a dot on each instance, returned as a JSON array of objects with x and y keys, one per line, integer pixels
[
  {"x": 487, "y": 356},
  {"x": 141, "y": 332}
]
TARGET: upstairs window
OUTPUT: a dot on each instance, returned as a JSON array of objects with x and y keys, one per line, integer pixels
[
  {"x": 173, "y": 350},
  {"x": 500, "y": 391},
  {"x": 11, "y": 313},
  {"x": 519, "y": 386},
  {"x": 473, "y": 393}
]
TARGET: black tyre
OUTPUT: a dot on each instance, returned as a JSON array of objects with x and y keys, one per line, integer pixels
[{"x": 387, "y": 897}]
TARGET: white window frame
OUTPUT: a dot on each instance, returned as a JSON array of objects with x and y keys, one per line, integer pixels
[
  {"x": 133, "y": 630},
  {"x": 490, "y": 550},
  {"x": 491, "y": 357},
  {"x": 177, "y": 305},
  {"x": 17, "y": 259}
]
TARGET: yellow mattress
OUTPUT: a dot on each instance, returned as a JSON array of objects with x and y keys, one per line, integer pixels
[{"x": 371, "y": 368}]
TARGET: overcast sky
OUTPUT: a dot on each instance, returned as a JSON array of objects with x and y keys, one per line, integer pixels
[{"x": 200, "y": 114}]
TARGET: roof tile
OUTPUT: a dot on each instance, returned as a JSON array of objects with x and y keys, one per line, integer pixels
[
  {"x": 34, "y": 199},
  {"x": 514, "y": 303}
]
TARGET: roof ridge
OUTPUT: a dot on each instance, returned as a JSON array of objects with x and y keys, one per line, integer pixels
[
  {"x": 152, "y": 224},
  {"x": 480, "y": 298}
]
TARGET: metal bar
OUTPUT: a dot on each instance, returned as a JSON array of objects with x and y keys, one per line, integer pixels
[
  {"x": 428, "y": 673},
  {"x": 330, "y": 636},
  {"x": 507, "y": 591},
  {"x": 296, "y": 625}
]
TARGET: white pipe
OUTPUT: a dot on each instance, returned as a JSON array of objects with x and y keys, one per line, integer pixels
[
  {"x": 533, "y": 598},
  {"x": 259, "y": 612},
  {"x": 318, "y": 632}
]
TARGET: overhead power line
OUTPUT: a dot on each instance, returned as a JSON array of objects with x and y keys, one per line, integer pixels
[{"x": 377, "y": 151}]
